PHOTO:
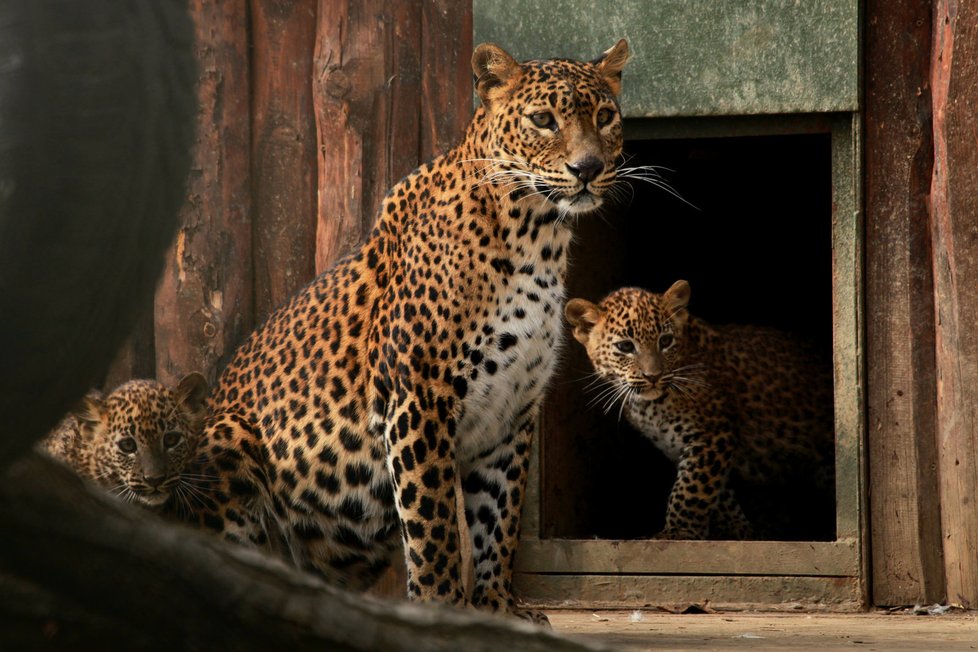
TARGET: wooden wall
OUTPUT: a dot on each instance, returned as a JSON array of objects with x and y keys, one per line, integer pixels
[
  {"x": 309, "y": 111},
  {"x": 922, "y": 299}
]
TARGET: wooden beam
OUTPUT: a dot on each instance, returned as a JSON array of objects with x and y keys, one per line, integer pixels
[
  {"x": 283, "y": 149},
  {"x": 637, "y": 591},
  {"x": 905, "y": 518},
  {"x": 649, "y": 557},
  {"x": 954, "y": 206},
  {"x": 204, "y": 303}
]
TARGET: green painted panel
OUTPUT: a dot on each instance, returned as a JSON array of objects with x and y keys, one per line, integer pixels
[{"x": 697, "y": 57}]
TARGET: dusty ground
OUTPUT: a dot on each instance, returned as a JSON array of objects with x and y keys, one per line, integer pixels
[{"x": 632, "y": 631}]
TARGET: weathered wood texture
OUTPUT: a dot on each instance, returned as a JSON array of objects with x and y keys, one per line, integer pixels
[
  {"x": 391, "y": 89},
  {"x": 283, "y": 149},
  {"x": 905, "y": 521},
  {"x": 607, "y": 556},
  {"x": 954, "y": 206},
  {"x": 204, "y": 300},
  {"x": 733, "y": 592}
]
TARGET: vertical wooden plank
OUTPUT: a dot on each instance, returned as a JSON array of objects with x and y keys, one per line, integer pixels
[
  {"x": 446, "y": 74},
  {"x": 954, "y": 207},
  {"x": 283, "y": 149},
  {"x": 366, "y": 91},
  {"x": 204, "y": 301},
  {"x": 905, "y": 524}
]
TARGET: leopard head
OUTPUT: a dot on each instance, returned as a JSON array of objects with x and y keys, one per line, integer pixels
[
  {"x": 553, "y": 130},
  {"x": 636, "y": 340},
  {"x": 142, "y": 435}
]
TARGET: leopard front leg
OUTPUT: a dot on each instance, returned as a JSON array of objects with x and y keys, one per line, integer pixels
[
  {"x": 421, "y": 460},
  {"x": 494, "y": 487},
  {"x": 701, "y": 479}
]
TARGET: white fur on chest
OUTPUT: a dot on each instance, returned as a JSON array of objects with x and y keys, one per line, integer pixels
[
  {"x": 512, "y": 365},
  {"x": 653, "y": 421}
]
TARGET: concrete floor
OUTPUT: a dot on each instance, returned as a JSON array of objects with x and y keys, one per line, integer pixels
[{"x": 648, "y": 630}]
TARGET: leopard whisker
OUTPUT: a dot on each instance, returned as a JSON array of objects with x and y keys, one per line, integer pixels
[
  {"x": 623, "y": 390},
  {"x": 649, "y": 174},
  {"x": 603, "y": 393}
]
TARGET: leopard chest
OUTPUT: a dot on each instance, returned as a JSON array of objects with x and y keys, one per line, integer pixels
[
  {"x": 663, "y": 423},
  {"x": 509, "y": 361}
]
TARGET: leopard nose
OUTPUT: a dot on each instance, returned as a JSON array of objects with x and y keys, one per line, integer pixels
[
  {"x": 652, "y": 376},
  {"x": 155, "y": 481},
  {"x": 587, "y": 169}
]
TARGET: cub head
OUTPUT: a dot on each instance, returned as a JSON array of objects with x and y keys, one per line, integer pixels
[
  {"x": 553, "y": 132},
  {"x": 635, "y": 339},
  {"x": 142, "y": 435}
]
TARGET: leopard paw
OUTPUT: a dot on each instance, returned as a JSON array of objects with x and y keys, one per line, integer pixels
[{"x": 534, "y": 616}]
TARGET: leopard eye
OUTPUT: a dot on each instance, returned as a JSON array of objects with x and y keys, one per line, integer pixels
[
  {"x": 666, "y": 340},
  {"x": 172, "y": 438},
  {"x": 625, "y": 346},
  {"x": 604, "y": 117},
  {"x": 544, "y": 120},
  {"x": 127, "y": 445}
]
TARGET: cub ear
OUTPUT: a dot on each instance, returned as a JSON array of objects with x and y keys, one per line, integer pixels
[
  {"x": 88, "y": 410},
  {"x": 493, "y": 71},
  {"x": 582, "y": 316},
  {"x": 610, "y": 64},
  {"x": 191, "y": 396},
  {"x": 675, "y": 300}
]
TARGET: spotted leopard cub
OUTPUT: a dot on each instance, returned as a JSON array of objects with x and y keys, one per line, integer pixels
[
  {"x": 718, "y": 401},
  {"x": 136, "y": 441}
]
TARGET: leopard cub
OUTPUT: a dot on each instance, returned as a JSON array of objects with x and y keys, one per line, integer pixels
[
  {"x": 135, "y": 442},
  {"x": 735, "y": 401}
]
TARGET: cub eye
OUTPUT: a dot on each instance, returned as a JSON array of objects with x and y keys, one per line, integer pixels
[
  {"x": 625, "y": 346},
  {"x": 127, "y": 445},
  {"x": 544, "y": 120},
  {"x": 604, "y": 117},
  {"x": 172, "y": 438},
  {"x": 666, "y": 340}
]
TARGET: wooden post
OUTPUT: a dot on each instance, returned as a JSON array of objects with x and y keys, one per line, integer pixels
[
  {"x": 283, "y": 149},
  {"x": 204, "y": 301},
  {"x": 446, "y": 74},
  {"x": 907, "y": 567},
  {"x": 392, "y": 89},
  {"x": 366, "y": 90},
  {"x": 954, "y": 206}
]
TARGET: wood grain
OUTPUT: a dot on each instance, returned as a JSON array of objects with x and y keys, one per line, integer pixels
[
  {"x": 204, "y": 304},
  {"x": 905, "y": 534},
  {"x": 283, "y": 149},
  {"x": 954, "y": 206}
]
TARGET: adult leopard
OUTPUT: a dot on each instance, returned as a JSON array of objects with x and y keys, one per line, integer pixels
[{"x": 421, "y": 360}]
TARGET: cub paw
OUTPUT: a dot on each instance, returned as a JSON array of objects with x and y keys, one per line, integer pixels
[
  {"x": 680, "y": 534},
  {"x": 534, "y": 616}
]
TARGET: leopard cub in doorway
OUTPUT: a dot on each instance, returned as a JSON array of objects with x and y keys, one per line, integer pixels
[
  {"x": 136, "y": 442},
  {"x": 719, "y": 401}
]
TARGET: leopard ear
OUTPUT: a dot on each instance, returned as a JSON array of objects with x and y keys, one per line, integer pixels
[
  {"x": 88, "y": 411},
  {"x": 675, "y": 301},
  {"x": 191, "y": 396},
  {"x": 611, "y": 62},
  {"x": 494, "y": 72},
  {"x": 582, "y": 316}
]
